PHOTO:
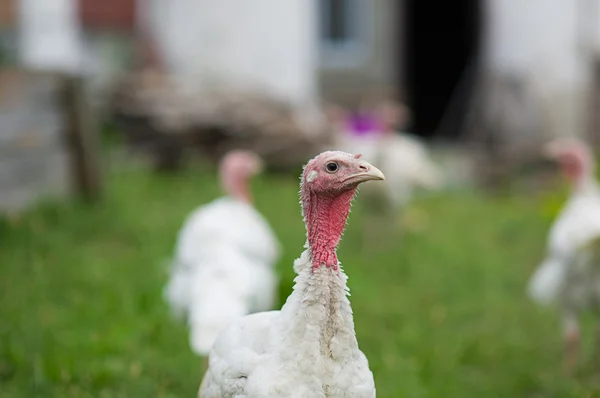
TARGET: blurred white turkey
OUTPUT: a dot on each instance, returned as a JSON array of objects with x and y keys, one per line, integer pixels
[
  {"x": 405, "y": 159},
  {"x": 309, "y": 348},
  {"x": 570, "y": 274},
  {"x": 225, "y": 257}
]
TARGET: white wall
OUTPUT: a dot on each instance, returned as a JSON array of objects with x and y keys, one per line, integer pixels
[
  {"x": 542, "y": 39},
  {"x": 596, "y": 25},
  {"x": 592, "y": 22},
  {"x": 265, "y": 43},
  {"x": 50, "y": 35}
]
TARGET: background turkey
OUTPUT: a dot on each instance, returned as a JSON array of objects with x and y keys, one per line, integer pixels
[
  {"x": 224, "y": 264},
  {"x": 373, "y": 130},
  {"x": 570, "y": 274}
]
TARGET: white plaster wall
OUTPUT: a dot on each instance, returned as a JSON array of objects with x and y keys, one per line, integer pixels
[
  {"x": 266, "y": 43},
  {"x": 542, "y": 40},
  {"x": 50, "y": 35}
]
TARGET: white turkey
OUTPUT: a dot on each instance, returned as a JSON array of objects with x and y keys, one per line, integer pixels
[
  {"x": 309, "y": 347},
  {"x": 570, "y": 274},
  {"x": 225, "y": 256}
]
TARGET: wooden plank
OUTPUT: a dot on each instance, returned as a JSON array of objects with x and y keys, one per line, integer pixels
[{"x": 82, "y": 138}]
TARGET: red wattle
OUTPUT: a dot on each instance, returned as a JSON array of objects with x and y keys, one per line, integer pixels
[{"x": 325, "y": 215}]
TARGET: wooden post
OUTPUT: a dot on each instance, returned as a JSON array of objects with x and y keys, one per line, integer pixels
[{"x": 82, "y": 138}]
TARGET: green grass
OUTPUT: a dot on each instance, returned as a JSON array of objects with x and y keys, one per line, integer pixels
[{"x": 440, "y": 313}]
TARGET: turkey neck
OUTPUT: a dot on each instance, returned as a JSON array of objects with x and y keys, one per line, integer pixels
[
  {"x": 238, "y": 187},
  {"x": 319, "y": 312},
  {"x": 320, "y": 321},
  {"x": 325, "y": 215}
]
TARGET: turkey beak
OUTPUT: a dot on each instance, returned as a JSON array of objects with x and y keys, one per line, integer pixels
[{"x": 366, "y": 172}]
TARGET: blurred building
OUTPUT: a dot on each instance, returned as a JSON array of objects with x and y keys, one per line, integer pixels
[
  {"x": 44, "y": 145},
  {"x": 499, "y": 68},
  {"x": 429, "y": 54},
  {"x": 456, "y": 63},
  {"x": 266, "y": 45},
  {"x": 541, "y": 55},
  {"x": 107, "y": 31}
]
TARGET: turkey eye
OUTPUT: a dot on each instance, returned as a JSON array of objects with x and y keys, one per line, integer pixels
[{"x": 332, "y": 167}]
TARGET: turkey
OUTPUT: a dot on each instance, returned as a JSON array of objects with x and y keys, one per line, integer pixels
[
  {"x": 309, "y": 347},
  {"x": 570, "y": 274},
  {"x": 405, "y": 158},
  {"x": 225, "y": 254}
]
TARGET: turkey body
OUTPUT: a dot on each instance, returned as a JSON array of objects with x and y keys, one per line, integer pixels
[
  {"x": 223, "y": 268},
  {"x": 570, "y": 274},
  {"x": 283, "y": 353}
]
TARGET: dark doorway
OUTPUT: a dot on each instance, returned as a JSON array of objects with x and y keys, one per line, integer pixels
[{"x": 439, "y": 54}]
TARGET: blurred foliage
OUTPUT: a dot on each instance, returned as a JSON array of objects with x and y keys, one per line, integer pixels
[{"x": 440, "y": 313}]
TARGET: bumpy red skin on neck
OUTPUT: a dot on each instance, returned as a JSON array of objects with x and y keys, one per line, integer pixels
[{"x": 325, "y": 214}]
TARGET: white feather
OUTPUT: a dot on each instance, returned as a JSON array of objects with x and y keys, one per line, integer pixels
[
  {"x": 570, "y": 275},
  {"x": 223, "y": 269},
  {"x": 547, "y": 281},
  {"x": 287, "y": 353}
]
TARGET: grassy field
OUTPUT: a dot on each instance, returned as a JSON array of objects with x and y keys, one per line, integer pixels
[{"x": 441, "y": 313}]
